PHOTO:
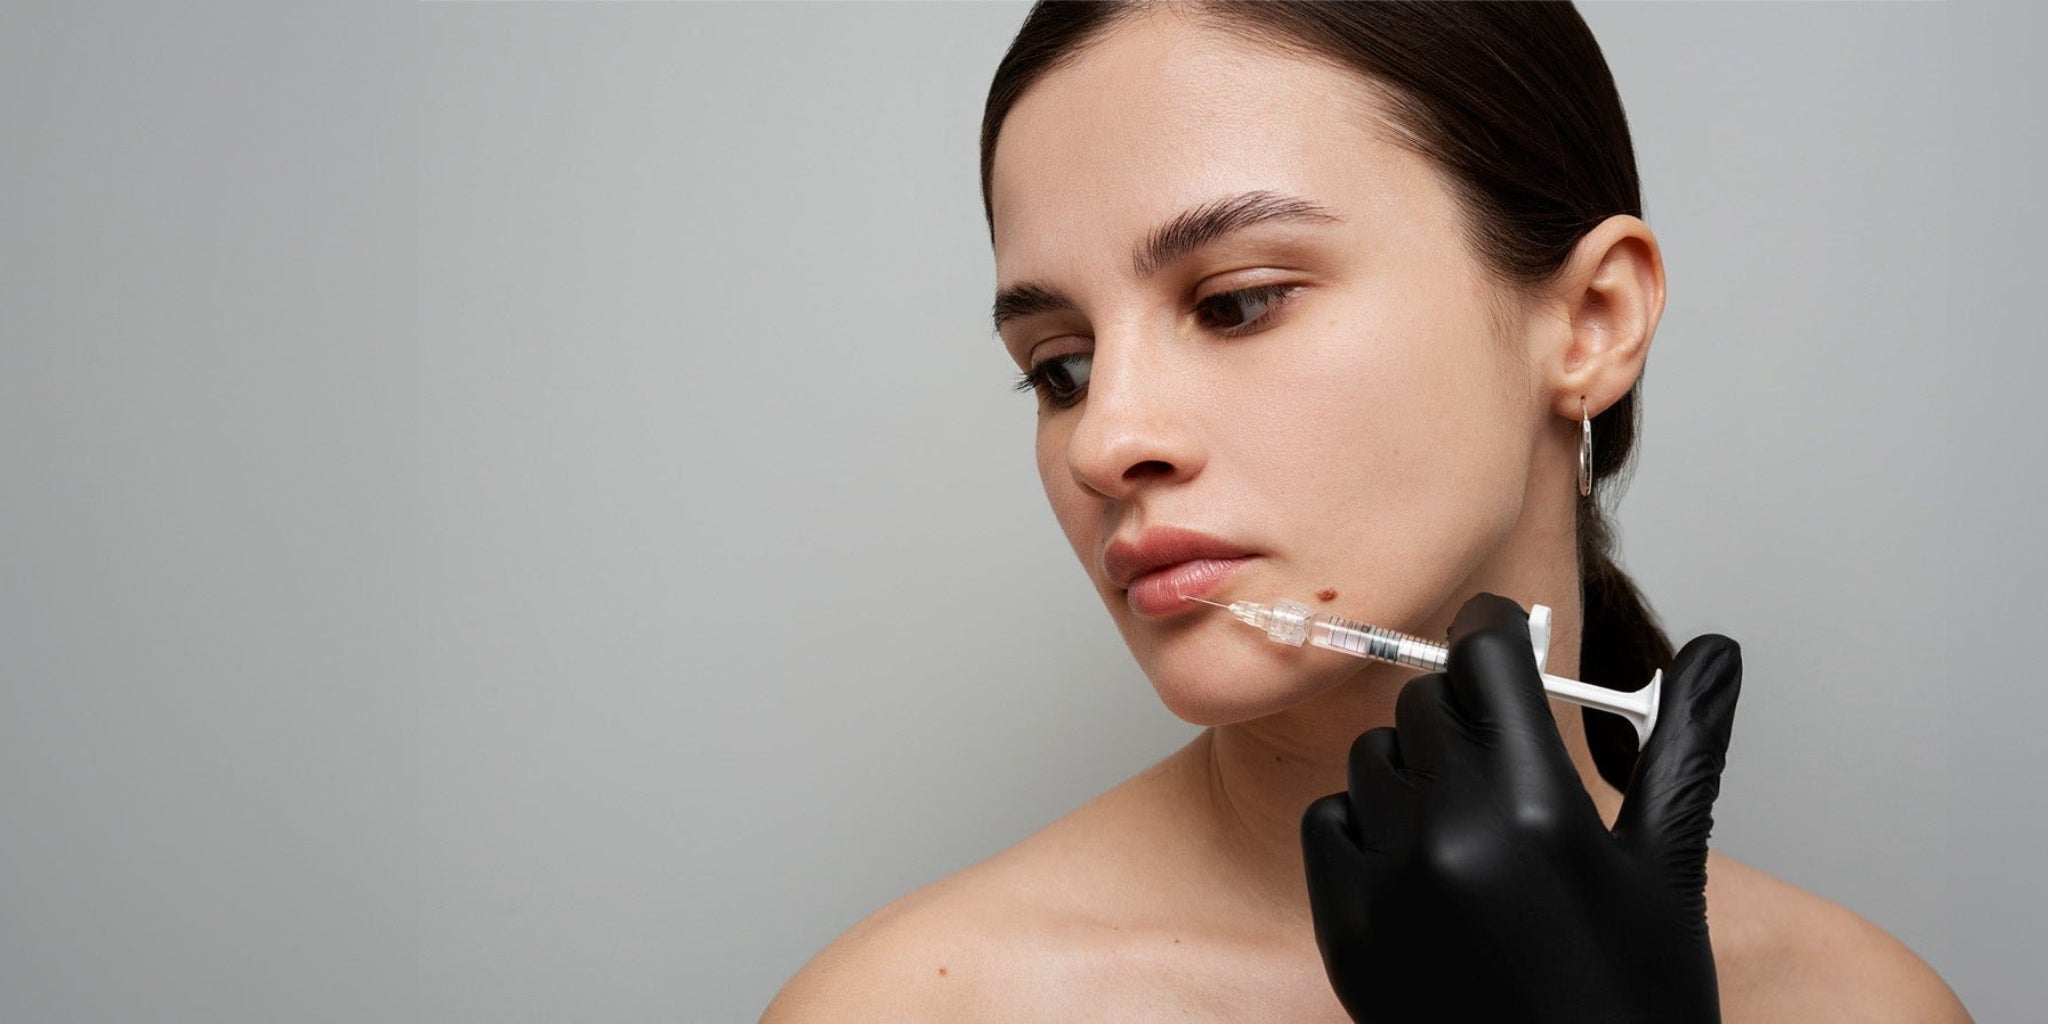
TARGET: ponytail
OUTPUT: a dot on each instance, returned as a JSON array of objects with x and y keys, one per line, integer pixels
[{"x": 1621, "y": 644}]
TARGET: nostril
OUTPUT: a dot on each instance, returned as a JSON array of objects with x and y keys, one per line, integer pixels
[{"x": 1149, "y": 467}]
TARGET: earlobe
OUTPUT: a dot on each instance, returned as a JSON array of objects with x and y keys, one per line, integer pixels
[{"x": 1613, "y": 288}]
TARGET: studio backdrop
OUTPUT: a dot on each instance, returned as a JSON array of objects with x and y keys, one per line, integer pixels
[{"x": 514, "y": 512}]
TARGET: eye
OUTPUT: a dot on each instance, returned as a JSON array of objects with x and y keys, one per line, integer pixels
[
  {"x": 1241, "y": 311},
  {"x": 1060, "y": 380}
]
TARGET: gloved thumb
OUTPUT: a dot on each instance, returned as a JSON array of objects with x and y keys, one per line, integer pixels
[
  {"x": 1339, "y": 888},
  {"x": 1669, "y": 809},
  {"x": 1338, "y": 875}
]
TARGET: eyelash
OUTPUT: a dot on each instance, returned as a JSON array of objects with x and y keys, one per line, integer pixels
[{"x": 1277, "y": 297}]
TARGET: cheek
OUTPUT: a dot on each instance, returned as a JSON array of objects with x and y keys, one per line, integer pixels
[{"x": 1393, "y": 461}]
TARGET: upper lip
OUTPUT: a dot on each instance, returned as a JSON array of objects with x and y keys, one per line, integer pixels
[{"x": 1157, "y": 548}]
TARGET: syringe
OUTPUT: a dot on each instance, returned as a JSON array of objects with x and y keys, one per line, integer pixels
[{"x": 1293, "y": 623}]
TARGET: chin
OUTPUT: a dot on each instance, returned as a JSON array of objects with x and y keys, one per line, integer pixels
[{"x": 1216, "y": 677}]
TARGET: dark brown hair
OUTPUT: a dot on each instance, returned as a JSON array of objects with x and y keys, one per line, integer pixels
[{"x": 1514, "y": 104}]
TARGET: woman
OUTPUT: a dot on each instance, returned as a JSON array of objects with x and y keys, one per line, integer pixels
[{"x": 1318, "y": 300}]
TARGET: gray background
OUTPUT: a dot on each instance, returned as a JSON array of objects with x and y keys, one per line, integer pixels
[{"x": 513, "y": 512}]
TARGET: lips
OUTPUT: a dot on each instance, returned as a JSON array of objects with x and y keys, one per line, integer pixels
[{"x": 1163, "y": 565}]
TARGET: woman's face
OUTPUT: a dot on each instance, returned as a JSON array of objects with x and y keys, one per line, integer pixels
[{"x": 1336, "y": 397}]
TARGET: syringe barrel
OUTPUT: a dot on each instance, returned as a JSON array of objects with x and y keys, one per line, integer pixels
[{"x": 1365, "y": 641}]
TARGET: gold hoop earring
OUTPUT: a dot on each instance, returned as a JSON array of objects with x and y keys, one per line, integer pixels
[{"x": 1585, "y": 450}]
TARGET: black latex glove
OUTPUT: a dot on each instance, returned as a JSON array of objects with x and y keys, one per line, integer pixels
[{"x": 1466, "y": 875}]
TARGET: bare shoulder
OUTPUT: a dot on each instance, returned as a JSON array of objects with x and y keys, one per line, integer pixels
[
  {"x": 924, "y": 957},
  {"x": 1786, "y": 954},
  {"x": 1045, "y": 930},
  {"x": 1006, "y": 939}
]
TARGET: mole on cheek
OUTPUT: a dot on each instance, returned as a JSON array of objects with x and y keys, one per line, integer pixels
[{"x": 1326, "y": 594}]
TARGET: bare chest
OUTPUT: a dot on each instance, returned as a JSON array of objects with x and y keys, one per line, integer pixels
[{"x": 1144, "y": 977}]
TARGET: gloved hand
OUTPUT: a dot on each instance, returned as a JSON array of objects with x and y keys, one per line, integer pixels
[{"x": 1466, "y": 875}]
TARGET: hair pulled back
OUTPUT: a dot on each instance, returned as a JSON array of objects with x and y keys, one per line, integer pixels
[{"x": 1515, "y": 105}]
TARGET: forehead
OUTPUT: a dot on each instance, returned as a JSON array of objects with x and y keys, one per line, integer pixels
[{"x": 1162, "y": 115}]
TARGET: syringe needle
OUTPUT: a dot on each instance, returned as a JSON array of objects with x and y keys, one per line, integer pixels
[{"x": 1212, "y": 604}]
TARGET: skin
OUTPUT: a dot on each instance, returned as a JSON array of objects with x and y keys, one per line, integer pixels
[{"x": 1400, "y": 425}]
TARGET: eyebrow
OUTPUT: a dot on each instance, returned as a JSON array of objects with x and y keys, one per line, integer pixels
[{"x": 1184, "y": 234}]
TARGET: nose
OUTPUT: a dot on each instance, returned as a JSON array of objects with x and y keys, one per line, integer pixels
[{"x": 1137, "y": 424}]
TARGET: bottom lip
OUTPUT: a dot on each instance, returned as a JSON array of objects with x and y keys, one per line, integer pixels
[{"x": 1160, "y": 592}]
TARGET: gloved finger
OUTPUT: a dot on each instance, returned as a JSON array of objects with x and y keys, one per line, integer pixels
[
  {"x": 1383, "y": 797},
  {"x": 1340, "y": 875},
  {"x": 1422, "y": 721},
  {"x": 1497, "y": 691},
  {"x": 1668, "y": 811}
]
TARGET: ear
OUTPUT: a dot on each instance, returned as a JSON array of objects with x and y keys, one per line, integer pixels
[{"x": 1611, "y": 293}]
